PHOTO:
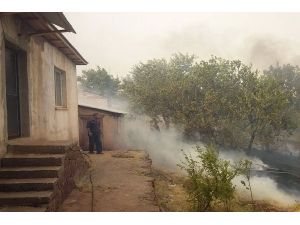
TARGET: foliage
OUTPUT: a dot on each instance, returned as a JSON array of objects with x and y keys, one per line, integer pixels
[
  {"x": 222, "y": 101},
  {"x": 99, "y": 81},
  {"x": 209, "y": 178},
  {"x": 266, "y": 110},
  {"x": 171, "y": 197},
  {"x": 152, "y": 85},
  {"x": 289, "y": 76}
]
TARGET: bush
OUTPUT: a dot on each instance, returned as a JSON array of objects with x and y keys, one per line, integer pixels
[{"x": 209, "y": 178}]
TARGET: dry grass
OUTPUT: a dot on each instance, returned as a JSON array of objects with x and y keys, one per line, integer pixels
[
  {"x": 295, "y": 208},
  {"x": 170, "y": 194},
  {"x": 125, "y": 154},
  {"x": 171, "y": 197}
]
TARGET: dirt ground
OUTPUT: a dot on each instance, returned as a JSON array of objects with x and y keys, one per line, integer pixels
[{"x": 122, "y": 182}]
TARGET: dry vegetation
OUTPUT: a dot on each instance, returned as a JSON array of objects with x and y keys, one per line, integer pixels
[{"x": 171, "y": 197}]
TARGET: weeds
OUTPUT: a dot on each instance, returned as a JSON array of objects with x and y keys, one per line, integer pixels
[{"x": 209, "y": 178}]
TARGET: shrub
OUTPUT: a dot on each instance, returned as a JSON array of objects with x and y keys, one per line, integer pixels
[{"x": 209, "y": 178}]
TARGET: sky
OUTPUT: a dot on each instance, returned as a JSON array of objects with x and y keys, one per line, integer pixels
[{"x": 118, "y": 41}]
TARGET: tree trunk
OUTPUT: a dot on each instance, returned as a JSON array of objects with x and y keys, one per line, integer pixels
[{"x": 251, "y": 141}]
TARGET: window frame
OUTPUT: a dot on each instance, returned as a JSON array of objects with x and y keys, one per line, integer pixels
[{"x": 63, "y": 88}]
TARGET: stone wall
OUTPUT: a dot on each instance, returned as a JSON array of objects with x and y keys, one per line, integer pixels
[{"x": 74, "y": 166}]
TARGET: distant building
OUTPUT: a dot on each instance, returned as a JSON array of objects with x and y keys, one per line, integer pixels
[{"x": 111, "y": 124}]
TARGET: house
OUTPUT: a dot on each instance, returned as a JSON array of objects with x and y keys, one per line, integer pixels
[
  {"x": 38, "y": 109},
  {"x": 111, "y": 120}
]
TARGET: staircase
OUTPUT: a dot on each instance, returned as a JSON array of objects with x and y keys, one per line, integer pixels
[{"x": 28, "y": 177}]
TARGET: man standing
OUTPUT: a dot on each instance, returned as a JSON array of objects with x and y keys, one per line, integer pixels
[{"x": 94, "y": 133}]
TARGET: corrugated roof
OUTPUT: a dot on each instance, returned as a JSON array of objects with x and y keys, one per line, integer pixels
[
  {"x": 111, "y": 111},
  {"x": 58, "y": 19}
]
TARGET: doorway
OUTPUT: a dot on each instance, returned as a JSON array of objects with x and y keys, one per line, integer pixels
[
  {"x": 17, "y": 98},
  {"x": 12, "y": 93}
]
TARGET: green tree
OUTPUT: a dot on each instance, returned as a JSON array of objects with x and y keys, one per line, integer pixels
[
  {"x": 209, "y": 97},
  {"x": 222, "y": 101},
  {"x": 100, "y": 82},
  {"x": 289, "y": 76},
  {"x": 152, "y": 87},
  {"x": 145, "y": 89},
  {"x": 266, "y": 109}
]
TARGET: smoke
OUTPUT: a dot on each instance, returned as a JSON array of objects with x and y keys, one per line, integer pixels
[
  {"x": 260, "y": 39},
  {"x": 89, "y": 98},
  {"x": 265, "y": 188},
  {"x": 164, "y": 148},
  {"x": 258, "y": 48},
  {"x": 127, "y": 38},
  {"x": 263, "y": 51}
]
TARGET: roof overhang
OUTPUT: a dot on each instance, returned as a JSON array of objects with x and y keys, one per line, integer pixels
[
  {"x": 58, "y": 19},
  {"x": 51, "y": 25},
  {"x": 100, "y": 109}
]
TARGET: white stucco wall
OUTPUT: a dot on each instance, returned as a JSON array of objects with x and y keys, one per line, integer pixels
[{"x": 46, "y": 121}]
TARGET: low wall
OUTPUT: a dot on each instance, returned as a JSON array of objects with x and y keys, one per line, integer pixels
[{"x": 74, "y": 166}]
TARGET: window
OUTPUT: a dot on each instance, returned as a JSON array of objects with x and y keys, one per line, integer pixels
[{"x": 60, "y": 88}]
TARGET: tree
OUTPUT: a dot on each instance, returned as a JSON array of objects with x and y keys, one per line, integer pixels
[
  {"x": 289, "y": 77},
  {"x": 100, "y": 82},
  {"x": 145, "y": 89},
  {"x": 152, "y": 87},
  {"x": 266, "y": 109},
  {"x": 209, "y": 97},
  {"x": 221, "y": 101}
]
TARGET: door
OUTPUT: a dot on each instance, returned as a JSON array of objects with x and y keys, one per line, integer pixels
[
  {"x": 12, "y": 94},
  {"x": 83, "y": 134}
]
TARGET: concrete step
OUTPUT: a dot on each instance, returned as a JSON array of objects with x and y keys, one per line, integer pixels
[
  {"x": 28, "y": 198},
  {"x": 22, "y": 160},
  {"x": 36, "y": 149},
  {"x": 30, "y": 172},
  {"x": 30, "y": 184},
  {"x": 41, "y": 208}
]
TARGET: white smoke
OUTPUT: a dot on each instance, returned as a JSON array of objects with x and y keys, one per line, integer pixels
[
  {"x": 265, "y": 188},
  {"x": 164, "y": 148}
]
